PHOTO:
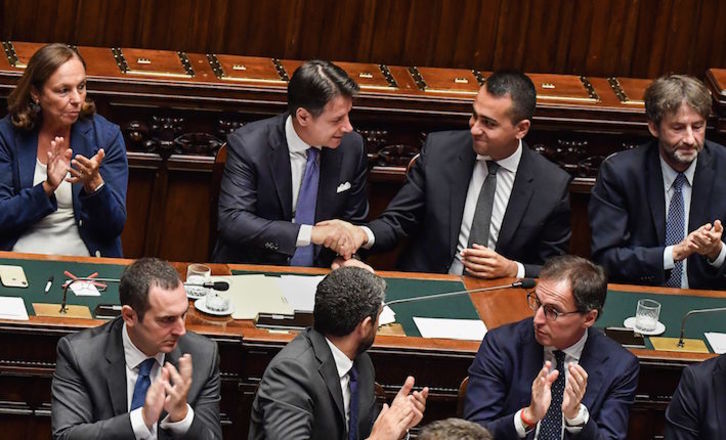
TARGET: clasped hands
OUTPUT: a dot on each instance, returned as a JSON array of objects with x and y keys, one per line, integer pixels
[
  {"x": 542, "y": 392},
  {"x": 83, "y": 169},
  {"x": 705, "y": 241},
  {"x": 169, "y": 392},
  {"x": 405, "y": 412}
]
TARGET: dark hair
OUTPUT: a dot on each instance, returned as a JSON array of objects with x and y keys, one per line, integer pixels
[
  {"x": 666, "y": 94},
  {"x": 315, "y": 83},
  {"x": 345, "y": 298},
  {"x": 520, "y": 89},
  {"x": 139, "y": 277},
  {"x": 24, "y": 113},
  {"x": 454, "y": 429},
  {"x": 587, "y": 280}
]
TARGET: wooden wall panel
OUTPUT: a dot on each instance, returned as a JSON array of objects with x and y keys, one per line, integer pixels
[{"x": 627, "y": 38}]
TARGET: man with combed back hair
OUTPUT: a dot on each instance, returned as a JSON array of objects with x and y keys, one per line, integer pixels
[{"x": 321, "y": 385}]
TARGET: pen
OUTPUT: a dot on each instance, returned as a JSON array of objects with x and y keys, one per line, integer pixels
[{"x": 48, "y": 284}]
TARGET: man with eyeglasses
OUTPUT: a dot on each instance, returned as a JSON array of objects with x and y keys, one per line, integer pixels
[{"x": 555, "y": 376}]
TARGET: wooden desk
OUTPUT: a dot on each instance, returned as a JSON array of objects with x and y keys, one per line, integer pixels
[{"x": 27, "y": 357}]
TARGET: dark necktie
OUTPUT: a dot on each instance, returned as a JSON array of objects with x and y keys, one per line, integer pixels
[
  {"x": 550, "y": 428},
  {"x": 305, "y": 211},
  {"x": 353, "y": 405},
  {"x": 676, "y": 227},
  {"x": 142, "y": 384},
  {"x": 479, "y": 232}
]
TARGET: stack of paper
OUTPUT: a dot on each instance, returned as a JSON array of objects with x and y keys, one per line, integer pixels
[
  {"x": 13, "y": 308},
  {"x": 467, "y": 329},
  {"x": 717, "y": 341},
  {"x": 254, "y": 294},
  {"x": 299, "y": 291}
]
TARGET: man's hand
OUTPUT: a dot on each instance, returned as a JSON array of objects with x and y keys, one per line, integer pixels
[
  {"x": 574, "y": 390},
  {"x": 155, "y": 397},
  {"x": 176, "y": 395},
  {"x": 541, "y": 393},
  {"x": 340, "y": 262},
  {"x": 707, "y": 239},
  {"x": 405, "y": 412},
  {"x": 334, "y": 235},
  {"x": 483, "y": 262},
  {"x": 416, "y": 399}
]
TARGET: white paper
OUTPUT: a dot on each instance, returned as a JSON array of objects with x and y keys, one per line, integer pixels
[
  {"x": 717, "y": 341},
  {"x": 466, "y": 329},
  {"x": 388, "y": 316},
  {"x": 299, "y": 291},
  {"x": 253, "y": 294},
  {"x": 84, "y": 288},
  {"x": 13, "y": 308}
]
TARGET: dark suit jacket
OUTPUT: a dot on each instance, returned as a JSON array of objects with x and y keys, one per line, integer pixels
[
  {"x": 300, "y": 396},
  {"x": 698, "y": 408},
  {"x": 100, "y": 216},
  {"x": 430, "y": 206},
  {"x": 255, "y": 200},
  {"x": 89, "y": 386},
  {"x": 500, "y": 381},
  {"x": 627, "y": 215}
]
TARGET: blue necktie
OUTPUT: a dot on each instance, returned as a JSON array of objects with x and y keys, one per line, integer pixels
[
  {"x": 142, "y": 384},
  {"x": 353, "y": 406},
  {"x": 550, "y": 427},
  {"x": 676, "y": 227},
  {"x": 305, "y": 211}
]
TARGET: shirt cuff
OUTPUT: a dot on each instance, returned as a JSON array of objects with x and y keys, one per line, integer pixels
[
  {"x": 371, "y": 237},
  {"x": 304, "y": 236},
  {"x": 520, "y": 269},
  {"x": 141, "y": 431},
  {"x": 519, "y": 424},
  {"x": 98, "y": 188},
  {"x": 721, "y": 257},
  {"x": 575, "y": 425},
  {"x": 668, "y": 262},
  {"x": 180, "y": 427}
]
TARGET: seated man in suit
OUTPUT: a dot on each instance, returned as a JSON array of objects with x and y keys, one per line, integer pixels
[
  {"x": 656, "y": 211},
  {"x": 554, "y": 374},
  {"x": 132, "y": 378},
  {"x": 287, "y": 173},
  {"x": 480, "y": 201},
  {"x": 698, "y": 408},
  {"x": 321, "y": 385}
]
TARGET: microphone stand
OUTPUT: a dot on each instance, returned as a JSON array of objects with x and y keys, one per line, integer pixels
[
  {"x": 681, "y": 344},
  {"x": 524, "y": 283}
]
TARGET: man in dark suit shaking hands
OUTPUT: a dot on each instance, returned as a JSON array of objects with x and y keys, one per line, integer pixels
[
  {"x": 286, "y": 174},
  {"x": 141, "y": 375}
]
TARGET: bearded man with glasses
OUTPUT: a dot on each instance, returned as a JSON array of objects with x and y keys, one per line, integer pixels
[{"x": 555, "y": 376}]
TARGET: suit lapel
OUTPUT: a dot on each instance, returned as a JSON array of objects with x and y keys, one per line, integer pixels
[
  {"x": 522, "y": 191},
  {"x": 330, "y": 161},
  {"x": 460, "y": 178},
  {"x": 82, "y": 144},
  {"x": 279, "y": 162},
  {"x": 703, "y": 180},
  {"x": 27, "y": 151},
  {"x": 593, "y": 362},
  {"x": 328, "y": 371},
  {"x": 116, "y": 377},
  {"x": 532, "y": 354},
  {"x": 719, "y": 382},
  {"x": 654, "y": 174}
]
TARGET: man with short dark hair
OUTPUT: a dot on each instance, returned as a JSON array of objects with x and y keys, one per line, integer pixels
[
  {"x": 286, "y": 174},
  {"x": 656, "y": 211},
  {"x": 555, "y": 375},
  {"x": 454, "y": 429},
  {"x": 480, "y": 201},
  {"x": 321, "y": 385},
  {"x": 142, "y": 375}
]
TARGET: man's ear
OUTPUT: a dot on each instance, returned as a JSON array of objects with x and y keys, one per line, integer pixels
[
  {"x": 303, "y": 117},
  {"x": 129, "y": 315},
  {"x": 653, "y": 129},
  {"x": 590, "y": 318},
  {"x": 364, "y": 328},
  {"x": 522, "y": 128}
]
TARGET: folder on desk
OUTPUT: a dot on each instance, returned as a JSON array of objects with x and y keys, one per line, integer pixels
[{"x": 254, "y": 294}]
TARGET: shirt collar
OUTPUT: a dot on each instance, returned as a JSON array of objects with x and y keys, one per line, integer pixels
[
  {"x": 510, "y": 163},
  {"x": 342, "y": 362},
  {"x": 294, "y": 143},
  {"x": 574, "y": 351},
  {"x": 133, "y": 355},
  {"x": 669, "y": 174}
]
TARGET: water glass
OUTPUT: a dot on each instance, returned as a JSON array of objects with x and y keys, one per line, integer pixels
[
  {"x": 197, "y": 274},
  {"x": 646, "y": 315}
]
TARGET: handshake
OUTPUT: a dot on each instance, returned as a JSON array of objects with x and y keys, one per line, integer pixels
[{"x": 339, "y": 236}]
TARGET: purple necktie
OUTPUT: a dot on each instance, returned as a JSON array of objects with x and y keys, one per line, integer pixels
[{"x": 305, "y": 211}]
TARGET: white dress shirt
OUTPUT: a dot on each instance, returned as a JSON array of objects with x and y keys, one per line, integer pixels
[
  {"x": 134, "y": 357},
  {"x": 343, "y": 364},
  {"x": 572, "y": 355},
  {"x": 298, "y": 160},
  {"x": 669, "y": 176}
]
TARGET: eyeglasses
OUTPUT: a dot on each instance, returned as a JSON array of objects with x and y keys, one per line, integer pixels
[{"x": 550, "y": 312}]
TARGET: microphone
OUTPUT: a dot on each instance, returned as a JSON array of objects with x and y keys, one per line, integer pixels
[
  {"x": 681, "y": 342},
  {"x": 216, "y": 285},
  {"x": 524, "y": 283}
]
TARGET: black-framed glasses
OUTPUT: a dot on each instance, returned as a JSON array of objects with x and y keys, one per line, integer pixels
[{"x": 550, "y": 312}]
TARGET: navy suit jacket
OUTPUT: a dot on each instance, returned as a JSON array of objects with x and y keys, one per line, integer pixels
[
  {"x": 500, "y": 381},
  {"x": 255, "y": 200},
  {"x": 627, "y": 215},
  {"x": 300, "y": 397},
  {"x": 430, "y": 206},
  {"x": 100, "y": 216},
  {"x": 698, "y": 408}
]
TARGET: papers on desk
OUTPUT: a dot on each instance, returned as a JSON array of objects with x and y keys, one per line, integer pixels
[
  {"x": 84, "y": 288},
  {"x": 388, "y": 316},
  {"x": 717, "y": 341},
  {"x": 13, "y": 308},
  {"x": 466, "y": 329},
  {"x": 252, "y": 294},
  {"x": 299, "y": 291}
]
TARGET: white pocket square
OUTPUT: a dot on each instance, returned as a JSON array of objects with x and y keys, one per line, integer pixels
[{"x": 343, "y": 187}]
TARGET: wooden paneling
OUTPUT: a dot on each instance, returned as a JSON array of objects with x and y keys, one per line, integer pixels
[{"x": 634, "y": 38}]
